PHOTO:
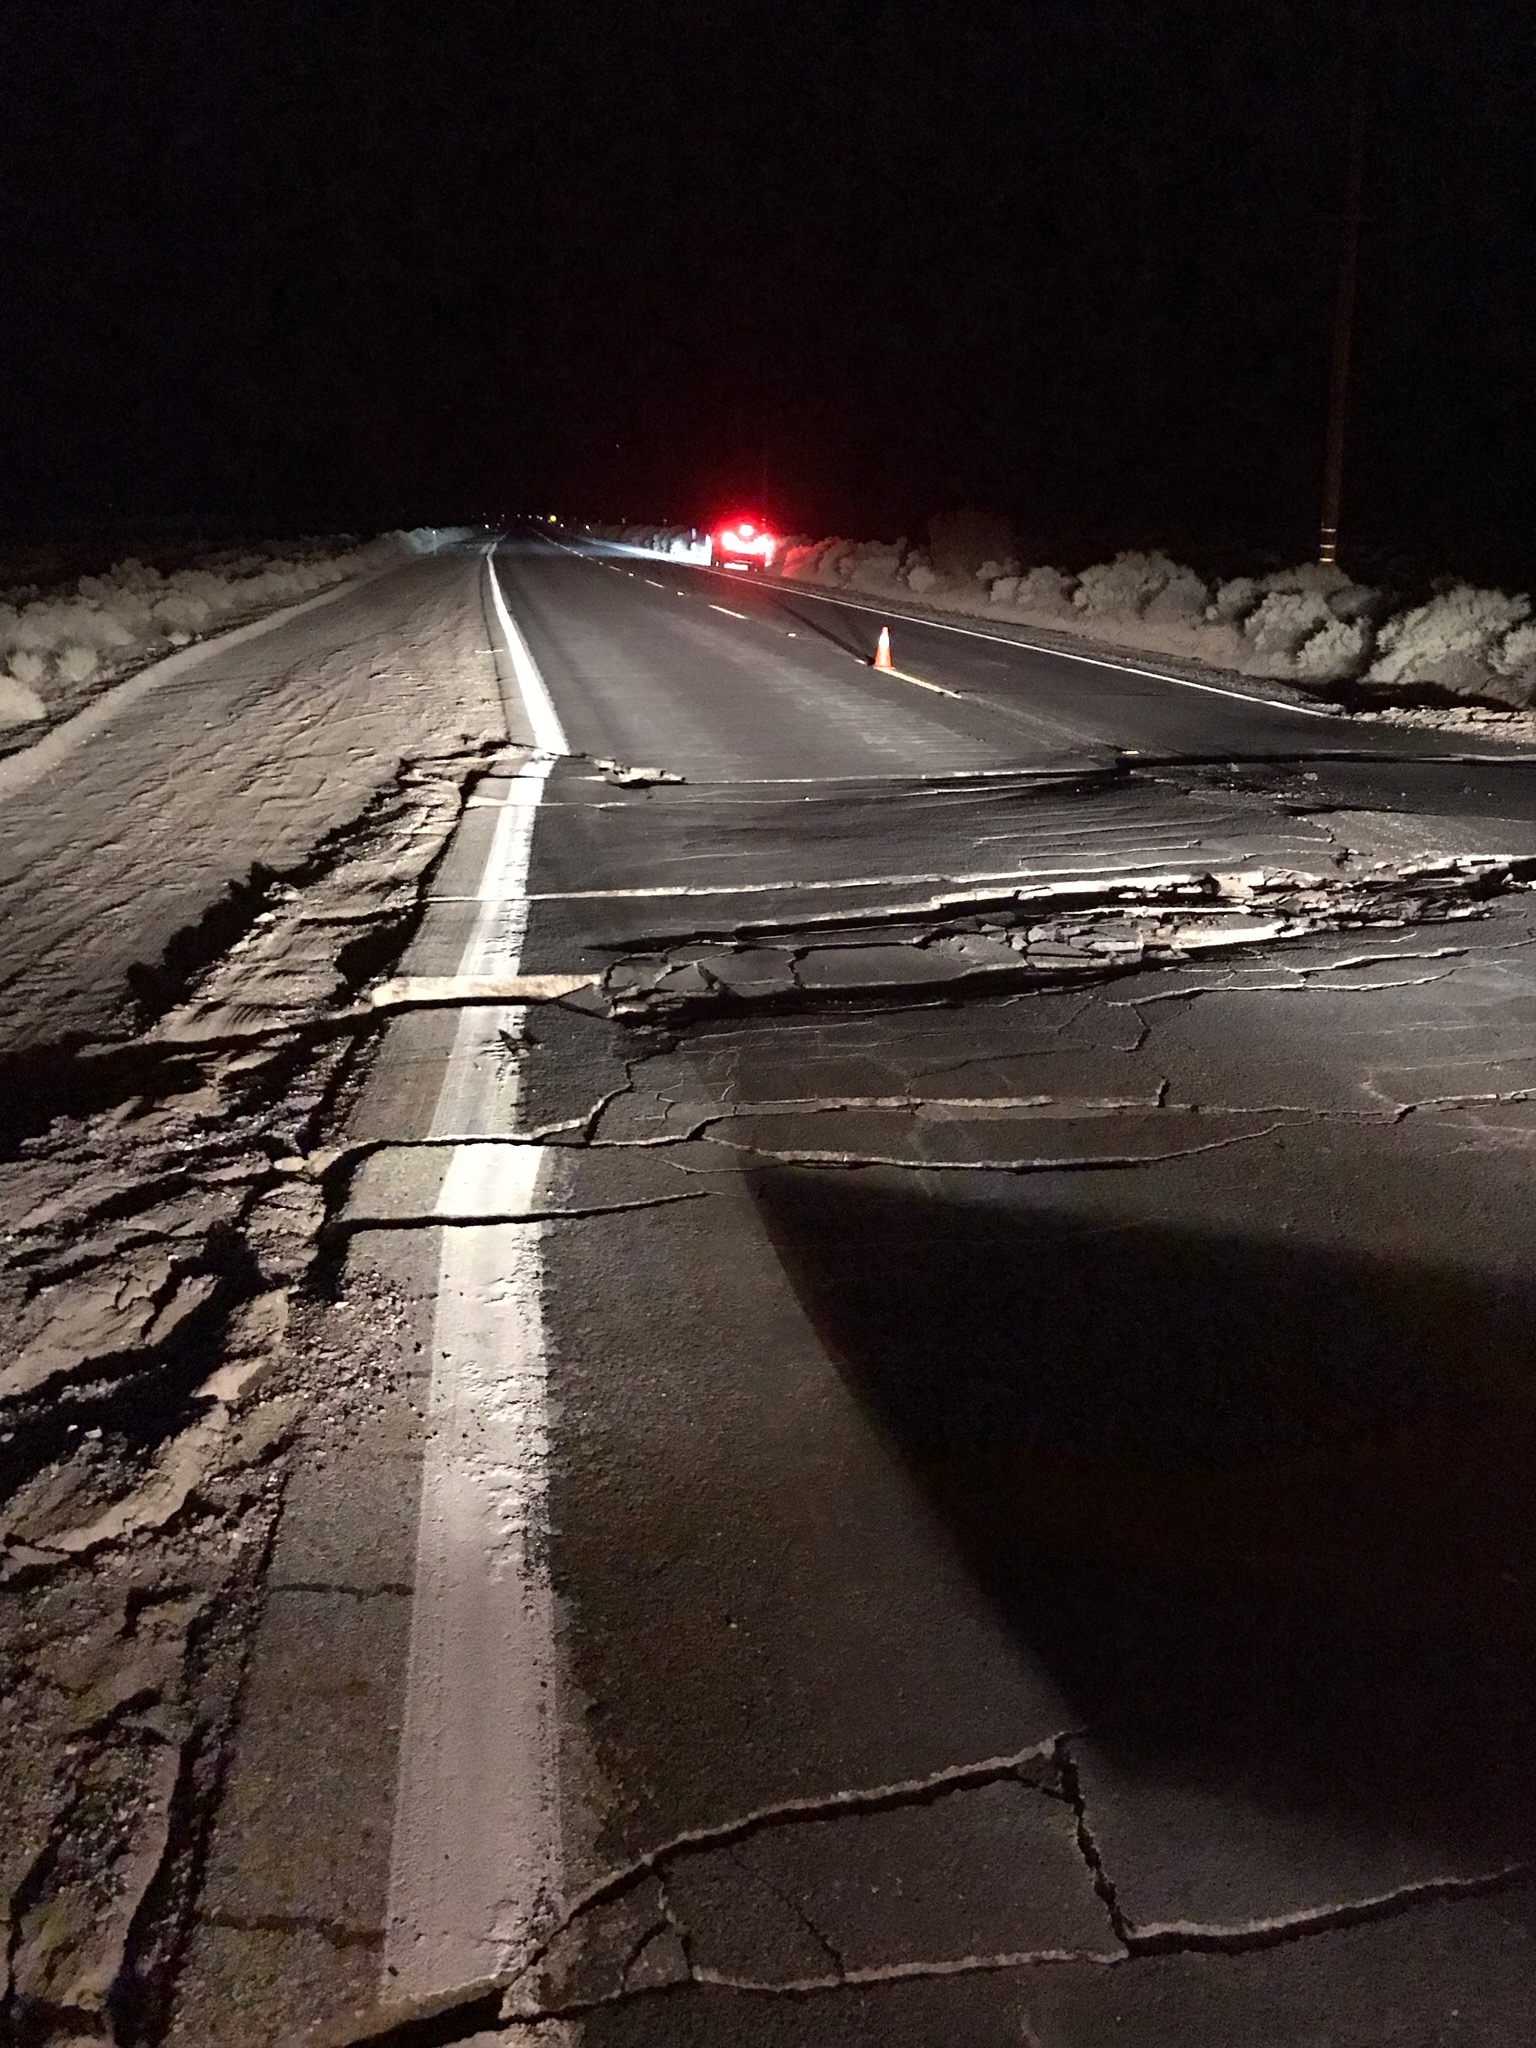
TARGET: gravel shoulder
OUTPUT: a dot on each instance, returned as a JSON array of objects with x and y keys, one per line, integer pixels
[{"x": 197, "y": 795}]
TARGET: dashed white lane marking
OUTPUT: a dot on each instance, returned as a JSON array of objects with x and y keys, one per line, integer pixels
[
  {"x": 1127, "y": 668},
  {"x": 896, "y": 674},
  {"x": 476, "y": 1860},
  {"x": 901, "y": 676}
]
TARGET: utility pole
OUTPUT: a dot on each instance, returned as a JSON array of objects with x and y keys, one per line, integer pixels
[{"x": 1344, "y": 302}]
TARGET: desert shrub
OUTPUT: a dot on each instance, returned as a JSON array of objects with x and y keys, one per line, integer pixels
[
  {"x": 1283, "y": 620},
  {"x": 875, "y": 565},
  {"x": 27, "y": 668},
  {"x": 1334, "y": 652},
  {"x": 1045, "y": 591},
  {"x": 1122, "y": 589},
  {"x": 182, "y": 612},
  {"x": 1234, "y": 600},
  {"x": 19, "y": 703},
  {"x": 78, "y": 664},
  {"x": 1181, "y": 601},
  {"x": 792, "y": 562},
  {"x": 992, "y": 572},
  {"x": 1454, "y": 641}
]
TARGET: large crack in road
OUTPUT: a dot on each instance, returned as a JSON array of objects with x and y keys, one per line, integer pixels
[
  {"x": 181, "y": 1203},
  {"x": 691, "y": 1912},
  {"x": 170, "y": 1199},
  {"x": 688, "y": 1915}
]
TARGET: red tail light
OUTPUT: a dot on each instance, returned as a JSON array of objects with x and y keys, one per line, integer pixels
[{"x": 744, "y": 539}]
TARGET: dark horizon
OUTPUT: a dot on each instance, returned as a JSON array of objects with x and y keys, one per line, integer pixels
[{"x": 1074, "y": 264}]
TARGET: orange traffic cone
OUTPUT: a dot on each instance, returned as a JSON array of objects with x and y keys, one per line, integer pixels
[{"x": 883, "y": 651}]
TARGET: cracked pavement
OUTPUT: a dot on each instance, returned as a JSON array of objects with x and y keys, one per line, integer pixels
[{"x": 1040, "y": 1431}]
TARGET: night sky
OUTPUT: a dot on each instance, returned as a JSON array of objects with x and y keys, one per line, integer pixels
[{"x": 346, "y": 262}]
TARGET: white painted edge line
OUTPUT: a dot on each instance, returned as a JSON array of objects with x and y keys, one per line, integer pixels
[
  {"x": 476, "y": 1863},
  {"x": 27, "y": 765},
  {"x": 548, "y": 733},
  {"x": 1128, "y": 668}
]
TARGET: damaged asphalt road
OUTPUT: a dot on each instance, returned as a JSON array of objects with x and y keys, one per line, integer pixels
[{"x": 1035, "y": 1295}]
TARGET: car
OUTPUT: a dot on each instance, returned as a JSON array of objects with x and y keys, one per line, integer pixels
[{"x": 742, "y": 544}]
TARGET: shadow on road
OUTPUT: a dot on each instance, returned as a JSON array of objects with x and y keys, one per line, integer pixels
[
  {"x": 844, "y": 630},
  {"x": 1240, "y": 1499}
]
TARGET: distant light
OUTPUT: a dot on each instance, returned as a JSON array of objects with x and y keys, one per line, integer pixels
[{"x": 744, "y": 539}]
